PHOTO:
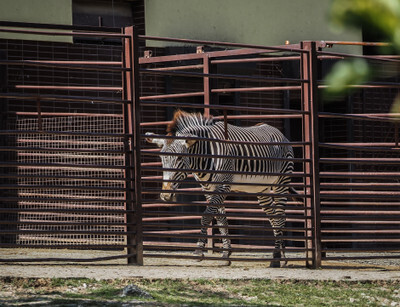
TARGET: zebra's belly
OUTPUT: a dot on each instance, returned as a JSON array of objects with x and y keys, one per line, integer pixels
[{"x": 258, "y": 183}]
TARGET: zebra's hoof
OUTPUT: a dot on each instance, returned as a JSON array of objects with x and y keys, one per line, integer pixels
[
  {"x": 226, "y": 255},
  {"x": 199, "y": 253}
]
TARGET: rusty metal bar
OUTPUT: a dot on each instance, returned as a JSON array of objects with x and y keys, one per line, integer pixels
[
  {"x": 167, "y": 96},
  {"x": 261, "y": 49},
  {"x": 310, "y": 122},
  {"x": 221, "y": 76},
  {"x": 207, "y": 86},
  {"x": 70, "y": 98},
  {"x": 70, "y": 88},
  {"x": 222, "y": 107},
  {"x": 132, "y": 113},
  {"x": 252, "y": 60}
]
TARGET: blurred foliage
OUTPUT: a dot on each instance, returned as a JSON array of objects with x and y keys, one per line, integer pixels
[{"x": 380, "y": 17}]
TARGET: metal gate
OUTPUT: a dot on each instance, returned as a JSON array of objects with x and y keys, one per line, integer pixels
[
  {"x": 67, "y": 160},
  {"x": 230, "y": 86}
]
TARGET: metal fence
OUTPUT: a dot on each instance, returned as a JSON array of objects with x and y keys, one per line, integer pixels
[
  {"x": 67, "y": 166},
  {"x": 77, "y": 172}
]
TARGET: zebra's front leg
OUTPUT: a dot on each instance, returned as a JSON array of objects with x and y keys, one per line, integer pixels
[
  {"x": 279, "y": 249},
  {"x": 206, "y": 220}
]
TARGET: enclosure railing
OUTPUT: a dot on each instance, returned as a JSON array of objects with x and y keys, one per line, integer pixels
[
  {"x": 67, "y": 164},
  {"x": 77, "y": 173}
]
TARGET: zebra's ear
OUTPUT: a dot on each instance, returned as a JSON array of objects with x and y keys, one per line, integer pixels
[
  {"x": 158, "y": 142},
  {"x": 189, "y": 142}
]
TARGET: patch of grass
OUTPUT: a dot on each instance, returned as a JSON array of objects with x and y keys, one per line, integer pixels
[{"x": 203, "y": 292}]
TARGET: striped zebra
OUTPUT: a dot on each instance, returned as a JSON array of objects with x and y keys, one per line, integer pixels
[{"x": 221, "y": 175}]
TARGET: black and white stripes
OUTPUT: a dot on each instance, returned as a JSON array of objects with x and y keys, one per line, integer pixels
[{"x": 255, "y": 159}]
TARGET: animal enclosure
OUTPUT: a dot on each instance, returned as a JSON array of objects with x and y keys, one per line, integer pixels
[{"x": 77, "y": 172}]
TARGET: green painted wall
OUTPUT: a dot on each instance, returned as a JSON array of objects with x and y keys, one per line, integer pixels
[
  {"x": 36, "y": 11},
  {"x": 264, "y": 22}
]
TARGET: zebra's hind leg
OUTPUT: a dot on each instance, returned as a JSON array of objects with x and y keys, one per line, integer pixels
[
  {"x": 276, "y": 215},
  {"x": 223, "y": 229},
  {"x": 278, "y": 222}
]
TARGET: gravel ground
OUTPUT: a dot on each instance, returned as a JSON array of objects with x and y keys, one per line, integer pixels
[{"x": 369, "y": 269}]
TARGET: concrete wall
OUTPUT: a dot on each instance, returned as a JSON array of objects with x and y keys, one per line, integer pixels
[
  {"x": 36, "y": 11},
  {"x": 264, "y": 22}
]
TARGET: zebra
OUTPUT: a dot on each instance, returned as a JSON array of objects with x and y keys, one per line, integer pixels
[{"x": 221, "y": 175}]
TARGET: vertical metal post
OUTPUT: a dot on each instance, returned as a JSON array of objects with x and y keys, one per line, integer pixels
[
  {"x": 310, "y": 105},
  {"x": 132, "y": 127},
  {"x": 207, "y": 101},
  {"x": 206, "y": 84}
]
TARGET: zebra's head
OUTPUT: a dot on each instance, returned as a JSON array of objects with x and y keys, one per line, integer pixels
[{"x": 173, "y": 163}]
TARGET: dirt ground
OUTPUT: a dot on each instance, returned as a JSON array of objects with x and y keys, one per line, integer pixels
[{"x": 161, "y": 268}]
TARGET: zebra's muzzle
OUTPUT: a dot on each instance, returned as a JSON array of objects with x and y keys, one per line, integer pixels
[{"x": 166, "y": 196}]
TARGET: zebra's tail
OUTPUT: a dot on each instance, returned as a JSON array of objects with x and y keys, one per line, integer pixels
[{"x": 297, "y": 198}]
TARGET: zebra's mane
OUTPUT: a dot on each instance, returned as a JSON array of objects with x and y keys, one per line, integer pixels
[{"x": 183, "y": 120}]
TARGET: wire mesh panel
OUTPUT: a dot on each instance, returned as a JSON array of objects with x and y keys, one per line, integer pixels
[{"x": 77, "y": 167}]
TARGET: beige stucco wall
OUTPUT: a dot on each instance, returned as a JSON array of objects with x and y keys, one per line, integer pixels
[
  {"x": 36, "y": 11},
  {"x": 263, "y": 22}
]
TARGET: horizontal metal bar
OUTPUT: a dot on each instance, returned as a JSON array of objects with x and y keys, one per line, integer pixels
[
  {"x": 61, "y": 187},
  {"x": 67, "y": 151},
  {"x": 221, "y": 76},
  {"x": 389, "y": 161},
  {"x": 67, "y": 259},
  {"x": 368, "y": 117},
  {"x": 65, "y": 98},
  {"x": 15, "y": 24},
  {"x": 66, "y": 114},
  {"x": 71, "y": 88},
  {"x": 197, "y": 182},
  {"x": 173, "y": 154},
  {"x": 68, "y": 133},
  {"x": 66, "y": 232},
  {"x": 59, "y": 199},
  {"x": 247, "y": 259},
  {"x": 366, "y": 57},
  {"x": 60, "y": 33},
  {"x": 360, "y": 257},
  {"x": 64, "y": 165},
  {"x": 167, "y": 96},
  {"x": 285, "y": 48},
  {"x": 361, "y": 175},
  {"x": 182, "y": 67},
  {"x": 294, "y": 174},
  {"x": 222, "y": 107},
  {"x": 256, "y": 89},
  {"x": 147, "y": 235},
  {"x": 191, "y": 215},
  {"x": 214, "y": 140},
  {"x": 150, "y": 246},
  {"x": 152, "y": 226},
  {"x": 260, "y": 59},
  {"x": 359, "y": 203},
  {"x": 71, "y": 178},
  {"x": 39, "y": 222},
  {"x": 364, "y": 240},
  {"x": 73, "y": 65},
  {"x": 372, "y": 147}
]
